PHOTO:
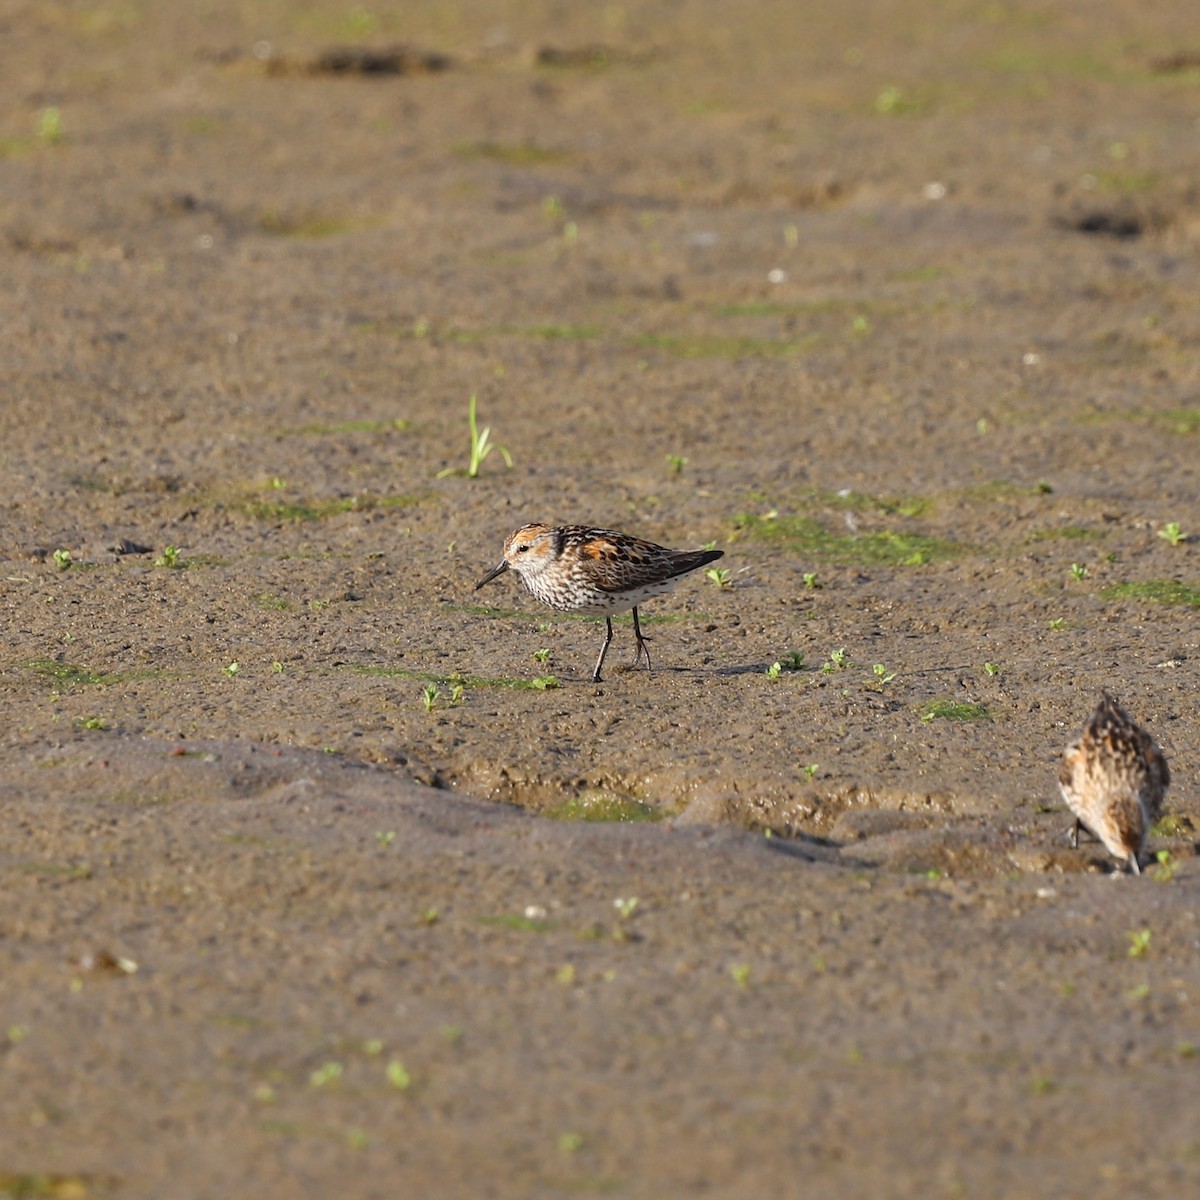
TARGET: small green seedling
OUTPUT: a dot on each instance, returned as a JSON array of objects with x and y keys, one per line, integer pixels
[
  {"x": 793, "y": 661},
  {"x": 678, "y": 462},
  {"x": 95, "y": 723},
  {"x": 626, "y": 906},
  {"x": 1139, "y": 943},
  {"x": 810, "y": 580},
  {"x": 385, "y": 839},
  {"x": 774, "y": 670},
  {"x": 541, "y": 656},
  {"x": 398, "y": 1076},
  {"x": 882, "y": 674},
  {"x": 62, "y": 559},
  {"x": 168, "y": 558},
  {"x": 50, "y": 129},
  {"x": 812, "y": 769},
  {"x": 1172, "y": 532},
  {"x": 1058, "y": 623},
  {"x": 740, "y": 974},
  {"x": 570, "y": 1142},
  {"x": 838, "y": 660},
  {"x": 232, "y": 669},
  {"x": 328, "y": 1073},
  {"x": 992, "y": 669},
  {"x": 481, "y": 446},
  {"x": 718, "y": 576},
  {"x": 430, "y": 696},
  {"x": 565, "y": 975},
  {"x": 1078, "y": 571},
  {"x": 430, "y": 915},
  {"x": 1165, "y": 871}
]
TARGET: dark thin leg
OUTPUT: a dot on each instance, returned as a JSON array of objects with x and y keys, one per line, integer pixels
[
  {"x": 603, "y": 649},
  {"x": 642, "y": 648},
  {"x": 1133, "y": 863}
]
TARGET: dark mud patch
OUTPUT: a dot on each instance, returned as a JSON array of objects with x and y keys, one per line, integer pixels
[{"x": 366, "y": 62}]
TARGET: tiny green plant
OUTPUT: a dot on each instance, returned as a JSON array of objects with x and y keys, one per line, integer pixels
[
  {"x": 812, "y": 769},
  {"x": 398, "y": 1076},
  {"x": 1165, "y": 871},
  {"x": 457, "y": 691},
  {"x": 541, "y": 656},
  {"x": 481, "y": 446},
  {"x": 385, "y": 839},
  {"x": 1172, "y": 532},
  {"x": 838, "y": 660},
  {"x": 1078, "y": 571},
  {"x": 793, "y": 661},
  {"x": 50, "y": 129},
  {"x": 810, "y": 580},
  {"x": 95, "y": 723},
  {"x": 232, "y": 669},
  {"x": 740, "y": 974},
  {"x": 565, "y": 974},
  {"x": 62, "y": 559},
  {"x": 329, "y": 1072},
  {"x": 678, "y": 462},
  {"x": 626, "y": 906},
  {"x": 1139, "y": 943},
  {"x": 882, "y": 674},
  {"x": 168, "y": 558},
  {"x": 570, "y": 1142},
  {"x": 775, "y": 670},
  {"x": 990, "y": 668},
  {"x": 430, "y": 915},
  {"x": 430, "y": 696},
  {"x": 718, "y": 576},
  {"x": 1058, "y": 623}
]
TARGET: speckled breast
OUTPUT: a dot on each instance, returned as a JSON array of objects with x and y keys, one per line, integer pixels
[{"x": 573, "y": 594}]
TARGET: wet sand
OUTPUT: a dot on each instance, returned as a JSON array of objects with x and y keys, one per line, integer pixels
[{"x": 308, "y": 888}]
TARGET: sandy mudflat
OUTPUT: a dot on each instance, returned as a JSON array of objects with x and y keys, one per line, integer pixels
[{"x": 896, "y": 307}]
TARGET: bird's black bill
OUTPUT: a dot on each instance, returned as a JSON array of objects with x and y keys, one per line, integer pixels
[{"x": 492, "y": 574}]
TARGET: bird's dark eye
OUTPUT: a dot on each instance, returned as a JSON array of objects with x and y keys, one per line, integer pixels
[{"x": 522, "y": 549}]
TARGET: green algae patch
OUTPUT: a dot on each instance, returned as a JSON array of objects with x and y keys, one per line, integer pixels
[
  {"x": 539, "y": 683},
  {"x": 1161, "y": 591},
  {"x": 808, "y": 537},
  {"x": 954, "y": 710},
  {"x": 603, "y": 806}
]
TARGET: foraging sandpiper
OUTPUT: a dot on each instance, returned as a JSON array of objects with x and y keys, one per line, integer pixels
[{"x": 1113, "y": 777}]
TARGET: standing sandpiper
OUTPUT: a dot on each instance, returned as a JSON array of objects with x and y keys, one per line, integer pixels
[
  {"x": 1113, "y": 777},
  {"x": 576, "y": 568}
]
